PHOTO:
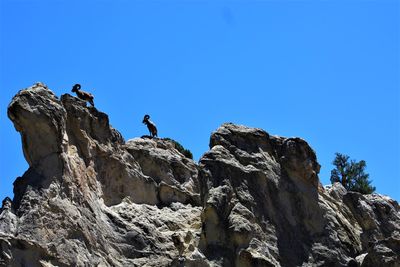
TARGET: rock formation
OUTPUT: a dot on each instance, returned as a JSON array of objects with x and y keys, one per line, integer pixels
[{"x": 91, "y": 199}]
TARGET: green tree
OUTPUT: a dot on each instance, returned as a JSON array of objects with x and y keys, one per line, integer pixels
[{"x": 351, "y": 174}]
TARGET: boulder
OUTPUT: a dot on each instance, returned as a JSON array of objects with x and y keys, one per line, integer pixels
[{"x": 91, "y": 199}]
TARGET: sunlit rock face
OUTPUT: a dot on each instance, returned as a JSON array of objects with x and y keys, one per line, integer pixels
[{"x": 91, "y": 199}]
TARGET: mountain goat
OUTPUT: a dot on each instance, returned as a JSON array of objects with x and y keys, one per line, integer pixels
[
  {"x": 82, "y": 94},
  {"x": 150, "y": 125}
]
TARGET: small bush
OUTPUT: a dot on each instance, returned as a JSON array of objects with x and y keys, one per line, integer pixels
[{"x": 180, "y": 148}]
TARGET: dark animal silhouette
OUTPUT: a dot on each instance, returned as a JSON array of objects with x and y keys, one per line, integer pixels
[
  {"x": 82, "y": 94},
  {"x": 150, "y": 125}
]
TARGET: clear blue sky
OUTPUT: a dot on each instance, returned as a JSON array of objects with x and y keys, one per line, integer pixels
[{"x": 326, "y": 71}]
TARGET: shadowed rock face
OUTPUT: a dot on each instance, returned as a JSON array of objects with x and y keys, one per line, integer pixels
[{"x": 91, "y": 199}]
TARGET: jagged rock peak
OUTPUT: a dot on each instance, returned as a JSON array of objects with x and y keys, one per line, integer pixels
[
  {"x": 251, "y": 146},
  {"x": 91, "y": 199}
]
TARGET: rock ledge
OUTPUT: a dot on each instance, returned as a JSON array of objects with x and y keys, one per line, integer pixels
[{"x": 91, "y": 199}]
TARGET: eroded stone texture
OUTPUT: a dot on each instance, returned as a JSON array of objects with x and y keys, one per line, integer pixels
[
  {"x": 80, "y": 171},
  {"x": 264, "y": 206},
  {"x": 8, "y": 220},
  {"x": 176, "y": 175},
  {"x": 91, "y": 199}
]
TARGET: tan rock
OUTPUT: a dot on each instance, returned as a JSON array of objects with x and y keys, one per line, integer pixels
[{"x": 90, "y": 199}]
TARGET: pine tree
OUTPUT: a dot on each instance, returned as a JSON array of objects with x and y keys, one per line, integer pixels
[{"x": 351, "y": 174}]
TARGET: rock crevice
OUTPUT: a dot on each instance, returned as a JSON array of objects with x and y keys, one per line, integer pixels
[{"x": 91, "y": 199}]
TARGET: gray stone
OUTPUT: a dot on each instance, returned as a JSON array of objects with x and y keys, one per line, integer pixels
[
  {"x": 8, "y": 220},
  {"x": 91, "y": 199}
]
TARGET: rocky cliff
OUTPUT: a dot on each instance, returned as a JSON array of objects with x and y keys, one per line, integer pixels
[{"x": 91, "y": 199}]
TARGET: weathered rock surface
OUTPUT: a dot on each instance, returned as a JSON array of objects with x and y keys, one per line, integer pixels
[{"x": 91, "y": 199}]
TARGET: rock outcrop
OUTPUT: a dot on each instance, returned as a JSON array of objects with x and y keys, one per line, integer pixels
[{"x": 91, "y": 199}]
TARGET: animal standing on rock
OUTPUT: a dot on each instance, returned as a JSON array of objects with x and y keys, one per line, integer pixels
[
  {"x": 150, "y": 125},
  {"x": 82, "y": 94}
]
